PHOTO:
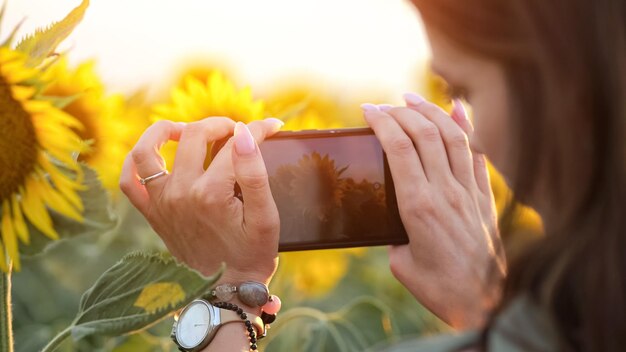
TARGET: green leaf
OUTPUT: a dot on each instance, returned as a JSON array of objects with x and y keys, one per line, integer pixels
[
  {"x": 362, "y": 323},
  {"x": 98, "y": 217},
  {"x": 43, "y": 42},
  {"x": 137, "y": 292}
]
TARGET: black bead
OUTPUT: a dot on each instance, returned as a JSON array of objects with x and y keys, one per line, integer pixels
[
  {"x": 244, "y": 316},
  {"x": 253, "y": 347},
  {"x": 268, "y": 318},
  {"x": 250, "y": 329},
  {"x": 253, "y": 340},
  {"x": 248, "y": 323},
  {"x": 239, "y": 310}
]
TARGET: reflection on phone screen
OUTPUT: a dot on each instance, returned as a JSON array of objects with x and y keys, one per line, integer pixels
[{"x": 330, "y": 190}]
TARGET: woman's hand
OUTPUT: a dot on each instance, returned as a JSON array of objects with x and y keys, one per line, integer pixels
[
  {"x": 454, "y": 262},
  {"x": 195, "y": 211}
]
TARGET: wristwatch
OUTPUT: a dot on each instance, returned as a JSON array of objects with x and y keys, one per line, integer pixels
[{"x": 198, "y": 322}]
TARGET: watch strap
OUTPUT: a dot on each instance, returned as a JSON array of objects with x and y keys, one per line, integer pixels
[{"x": 229, "y": 316}]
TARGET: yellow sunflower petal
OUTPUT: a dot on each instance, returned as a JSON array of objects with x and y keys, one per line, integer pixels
[
  {"x": 45, "y": 108},
  {"x": 8, "y": 235},
  {"x": 36, "y": 212},
  {"x": 14, "y": 72},
  {"x": 65, "y": 185},
  {"x": 59, "y": 145},
  {"x": 22, "y": 93},
  {"x": 55, "y": 201},
  {"x": 18, "y": 221},
  {"x": 8, "y": 55},
  {"x": 196, "y": 89},
  {"x": 3, "y": 259}
]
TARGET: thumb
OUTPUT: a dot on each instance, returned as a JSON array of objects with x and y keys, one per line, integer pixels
[{"x": 259, "y": 208}]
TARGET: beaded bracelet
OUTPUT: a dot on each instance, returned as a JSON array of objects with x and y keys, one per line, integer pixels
[
  {"x": 244, "y": 317},
  {"x": 251, "y": 293}
]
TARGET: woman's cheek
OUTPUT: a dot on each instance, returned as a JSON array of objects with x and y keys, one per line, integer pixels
[{"x": 489, "y": 137}]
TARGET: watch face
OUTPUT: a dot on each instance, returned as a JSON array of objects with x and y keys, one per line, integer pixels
[{"x": 193, "y": 324}]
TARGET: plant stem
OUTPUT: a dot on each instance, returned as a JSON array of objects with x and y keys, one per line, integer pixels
[
  {"x": 57, "y": 340},
  {"x": 6, "y": 332}
]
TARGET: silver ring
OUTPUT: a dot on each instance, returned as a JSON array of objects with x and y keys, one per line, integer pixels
[{"x": 144, "y": 181}]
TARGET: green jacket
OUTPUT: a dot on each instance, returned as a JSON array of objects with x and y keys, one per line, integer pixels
[{"x": 521, "y": 327}]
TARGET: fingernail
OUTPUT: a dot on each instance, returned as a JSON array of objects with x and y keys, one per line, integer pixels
[
  {"x": 413, "y": 99},
  {"x": 369, "y": 107},
  {"x": 458, "y": 111},
  {"x": 244, "y": 142},
  {"x": 278, "y": 124},
  {"x": 385, "y": 107}
]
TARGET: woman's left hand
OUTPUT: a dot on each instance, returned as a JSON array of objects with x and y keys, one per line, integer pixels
[{"x": 454, "y": 262}]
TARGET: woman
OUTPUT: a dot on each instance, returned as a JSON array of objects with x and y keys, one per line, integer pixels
[{"x": 547, "y": 84}]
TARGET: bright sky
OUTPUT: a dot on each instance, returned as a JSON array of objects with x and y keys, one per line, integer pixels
[{"x": 349, "y": 44}]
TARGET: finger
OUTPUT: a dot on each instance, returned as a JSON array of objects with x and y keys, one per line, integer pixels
[
  {"x": 427, "y": 138},
  {"x": 259, "y": 208},
  {"x": 481, "y": 173},
  {"x": 129, "y": 184},
  {"x": 455, "y": 140},
  {"x": 385, "y": 107},
  {"x": 221, "y": 168},
  {"x": 459, "y": 115},
  {"x": 404, "y": 162},
  {"x": 192, "y": 147},
  {"x": 145, "y": 154}
]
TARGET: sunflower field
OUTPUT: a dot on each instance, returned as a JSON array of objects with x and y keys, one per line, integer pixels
[{"x": 81, "y": 270}]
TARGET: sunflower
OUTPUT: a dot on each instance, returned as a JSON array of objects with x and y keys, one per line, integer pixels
[
  {"x": 304, "y": 107},
  {"x": 108, "y": 127},
  {"x": 194, "y": 99},
  {"x": 325, "y": 194},
  {"x": 315, "y": 273},
  {"x": 35, "y": 139}
]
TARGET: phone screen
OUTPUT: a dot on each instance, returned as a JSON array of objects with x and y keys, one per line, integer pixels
[{"x": 333, "y": 189}]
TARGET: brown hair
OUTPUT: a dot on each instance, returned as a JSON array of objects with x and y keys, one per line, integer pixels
[{"x": 565, "y": 65}]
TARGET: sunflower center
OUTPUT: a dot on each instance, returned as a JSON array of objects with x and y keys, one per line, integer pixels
[{"x": 18, "y": 143}]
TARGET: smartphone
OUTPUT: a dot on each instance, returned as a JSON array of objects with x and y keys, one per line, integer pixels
[{"x": 333, "y": 189}]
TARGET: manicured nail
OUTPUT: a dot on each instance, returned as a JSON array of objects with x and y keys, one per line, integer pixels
[
  {"x": 278, "y": 124},
  {"x": 413, "y": 99},
  {"x": 385, "y": 107},
  {"x": 244, "y": 142},
  {"x": 458, "y": 111},
  {"x": 369, "y": 107}
]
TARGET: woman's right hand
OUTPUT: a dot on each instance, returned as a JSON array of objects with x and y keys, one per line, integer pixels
[
  {"x": 195, "y": 211},
  {"x": 454, "y": 261}
]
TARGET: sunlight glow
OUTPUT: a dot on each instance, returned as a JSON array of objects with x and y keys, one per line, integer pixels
[{"x": 375, "y": 44}]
